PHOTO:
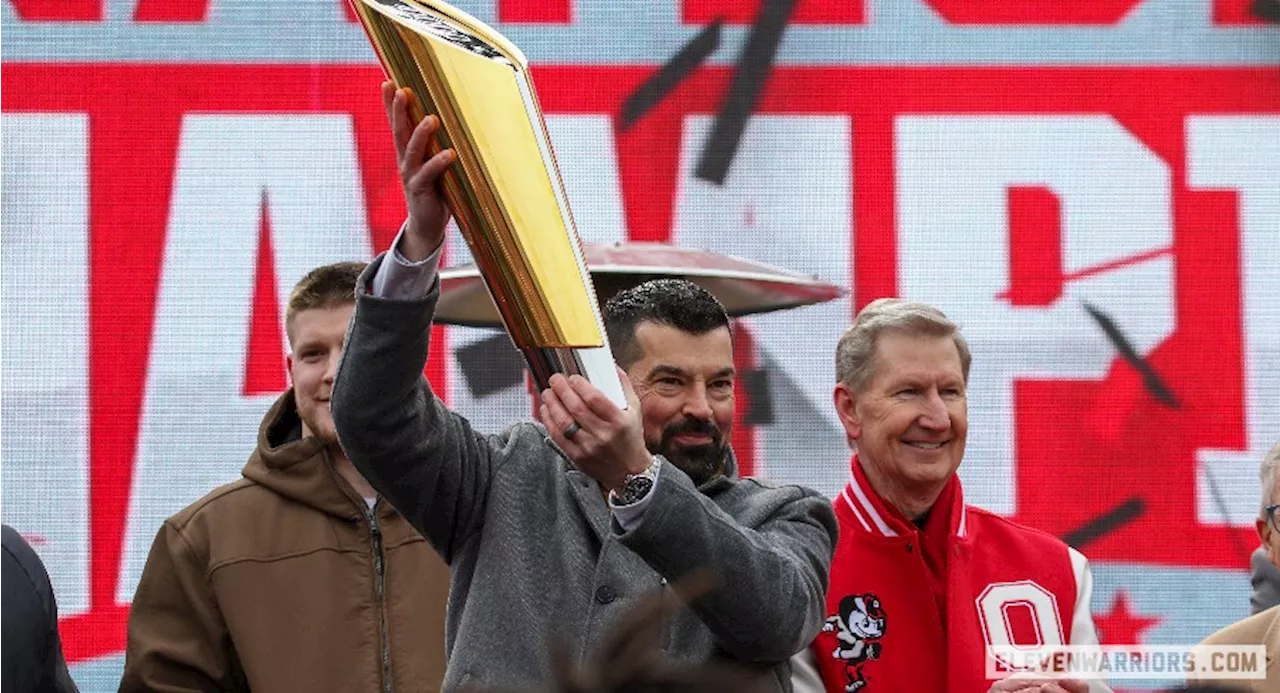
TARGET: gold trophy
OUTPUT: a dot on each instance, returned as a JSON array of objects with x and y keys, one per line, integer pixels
[{"x": 504, "y": 188}]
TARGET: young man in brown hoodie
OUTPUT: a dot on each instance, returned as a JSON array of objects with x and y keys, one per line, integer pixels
[{"x": 296, "y": 577}]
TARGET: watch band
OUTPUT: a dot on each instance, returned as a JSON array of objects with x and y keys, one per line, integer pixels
[{"x": 636, "y": 486}]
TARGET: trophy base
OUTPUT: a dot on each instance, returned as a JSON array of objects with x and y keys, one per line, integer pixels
[{"x": 595, "y": 364}]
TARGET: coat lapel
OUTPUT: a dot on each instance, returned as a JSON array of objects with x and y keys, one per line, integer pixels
[{"x": 588, "y": 495}]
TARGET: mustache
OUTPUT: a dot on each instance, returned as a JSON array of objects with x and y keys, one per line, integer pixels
[
  {"x": 702, "y": 461},
  {"x": 694, "y": 426}
]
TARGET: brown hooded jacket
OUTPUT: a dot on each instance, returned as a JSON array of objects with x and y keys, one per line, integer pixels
[{"x": 286, "y": 580}]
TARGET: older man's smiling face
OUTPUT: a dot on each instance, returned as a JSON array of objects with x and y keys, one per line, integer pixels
[{"x": 909, "y": 421}]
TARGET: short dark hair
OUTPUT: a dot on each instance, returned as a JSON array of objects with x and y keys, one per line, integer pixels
[
  {"x": 326, "y": 287},
  {"x": 678, "y": 303}
]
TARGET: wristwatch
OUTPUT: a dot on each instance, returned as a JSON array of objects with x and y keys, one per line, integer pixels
[{"x": 635, "y": 486}]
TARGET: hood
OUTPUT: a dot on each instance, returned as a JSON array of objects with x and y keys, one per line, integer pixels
[{"x": 297, "y": 467}]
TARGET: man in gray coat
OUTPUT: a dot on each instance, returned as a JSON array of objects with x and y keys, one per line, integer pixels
[{"x": 553, "y": 533}]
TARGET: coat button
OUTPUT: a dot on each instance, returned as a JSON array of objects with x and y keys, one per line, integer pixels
[
  {"x": 908, "y": 547},
  {"x": 605, "y": 594}
]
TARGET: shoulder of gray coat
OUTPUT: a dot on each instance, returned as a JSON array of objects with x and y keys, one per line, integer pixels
[
  {"x": 773, "y": 497},
  {"x": 796, "y": 489},
  {"x": 791, "y": 500}
]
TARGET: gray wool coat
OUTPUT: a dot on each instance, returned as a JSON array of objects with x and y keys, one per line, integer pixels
[{"x": 536, "y": 559}]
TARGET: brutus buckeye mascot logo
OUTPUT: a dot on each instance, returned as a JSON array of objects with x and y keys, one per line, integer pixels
[{"x": 858, "y": 626}]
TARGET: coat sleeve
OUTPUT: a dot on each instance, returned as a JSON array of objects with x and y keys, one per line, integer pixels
[
  {"x": 428, "y": 461},
  {"x": 771, "y": 576},
  {"x": 177, "y": 640},
  {"x": 1083, "y": 632}
]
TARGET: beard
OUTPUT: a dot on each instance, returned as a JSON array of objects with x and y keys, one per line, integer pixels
[
  {"x": 318, "y": 422},
  {"x": 701, "y": 462}
]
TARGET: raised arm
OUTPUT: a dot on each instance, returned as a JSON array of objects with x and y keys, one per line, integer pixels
[
  {"x": 423, "y": 458},
  {"x": 416, "y": 453}
]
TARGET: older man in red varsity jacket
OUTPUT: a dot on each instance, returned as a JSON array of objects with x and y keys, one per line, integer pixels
[{"x": 921, "y": 583}]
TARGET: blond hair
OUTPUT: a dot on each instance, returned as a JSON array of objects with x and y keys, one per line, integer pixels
[{"x": 329, "y": 286}]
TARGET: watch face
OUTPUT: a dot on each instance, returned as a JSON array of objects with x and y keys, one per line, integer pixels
[{"x": 635, "y": 489}]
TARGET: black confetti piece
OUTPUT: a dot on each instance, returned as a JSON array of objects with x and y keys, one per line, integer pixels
[
  {"x": 490, "y": 365},
  {"x": 670, "y": 75},
  {"x": 1106, "y": 523},
  {"x": 1266, "y": 10},
  {"x": 754, "y": 67},
  {"x": 755, "y": 386},
  {"x": 1150, "y": 378}
]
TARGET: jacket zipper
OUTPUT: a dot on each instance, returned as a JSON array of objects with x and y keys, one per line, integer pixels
[{"x": 379, "y": 570}]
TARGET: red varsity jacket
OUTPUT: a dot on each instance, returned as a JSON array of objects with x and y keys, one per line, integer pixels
[{"x": 1002, "y": 584}]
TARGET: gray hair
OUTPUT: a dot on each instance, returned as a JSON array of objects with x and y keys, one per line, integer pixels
[
  {"x": 1267, "y": 475},
  {"x": 855, "y": 353}
]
